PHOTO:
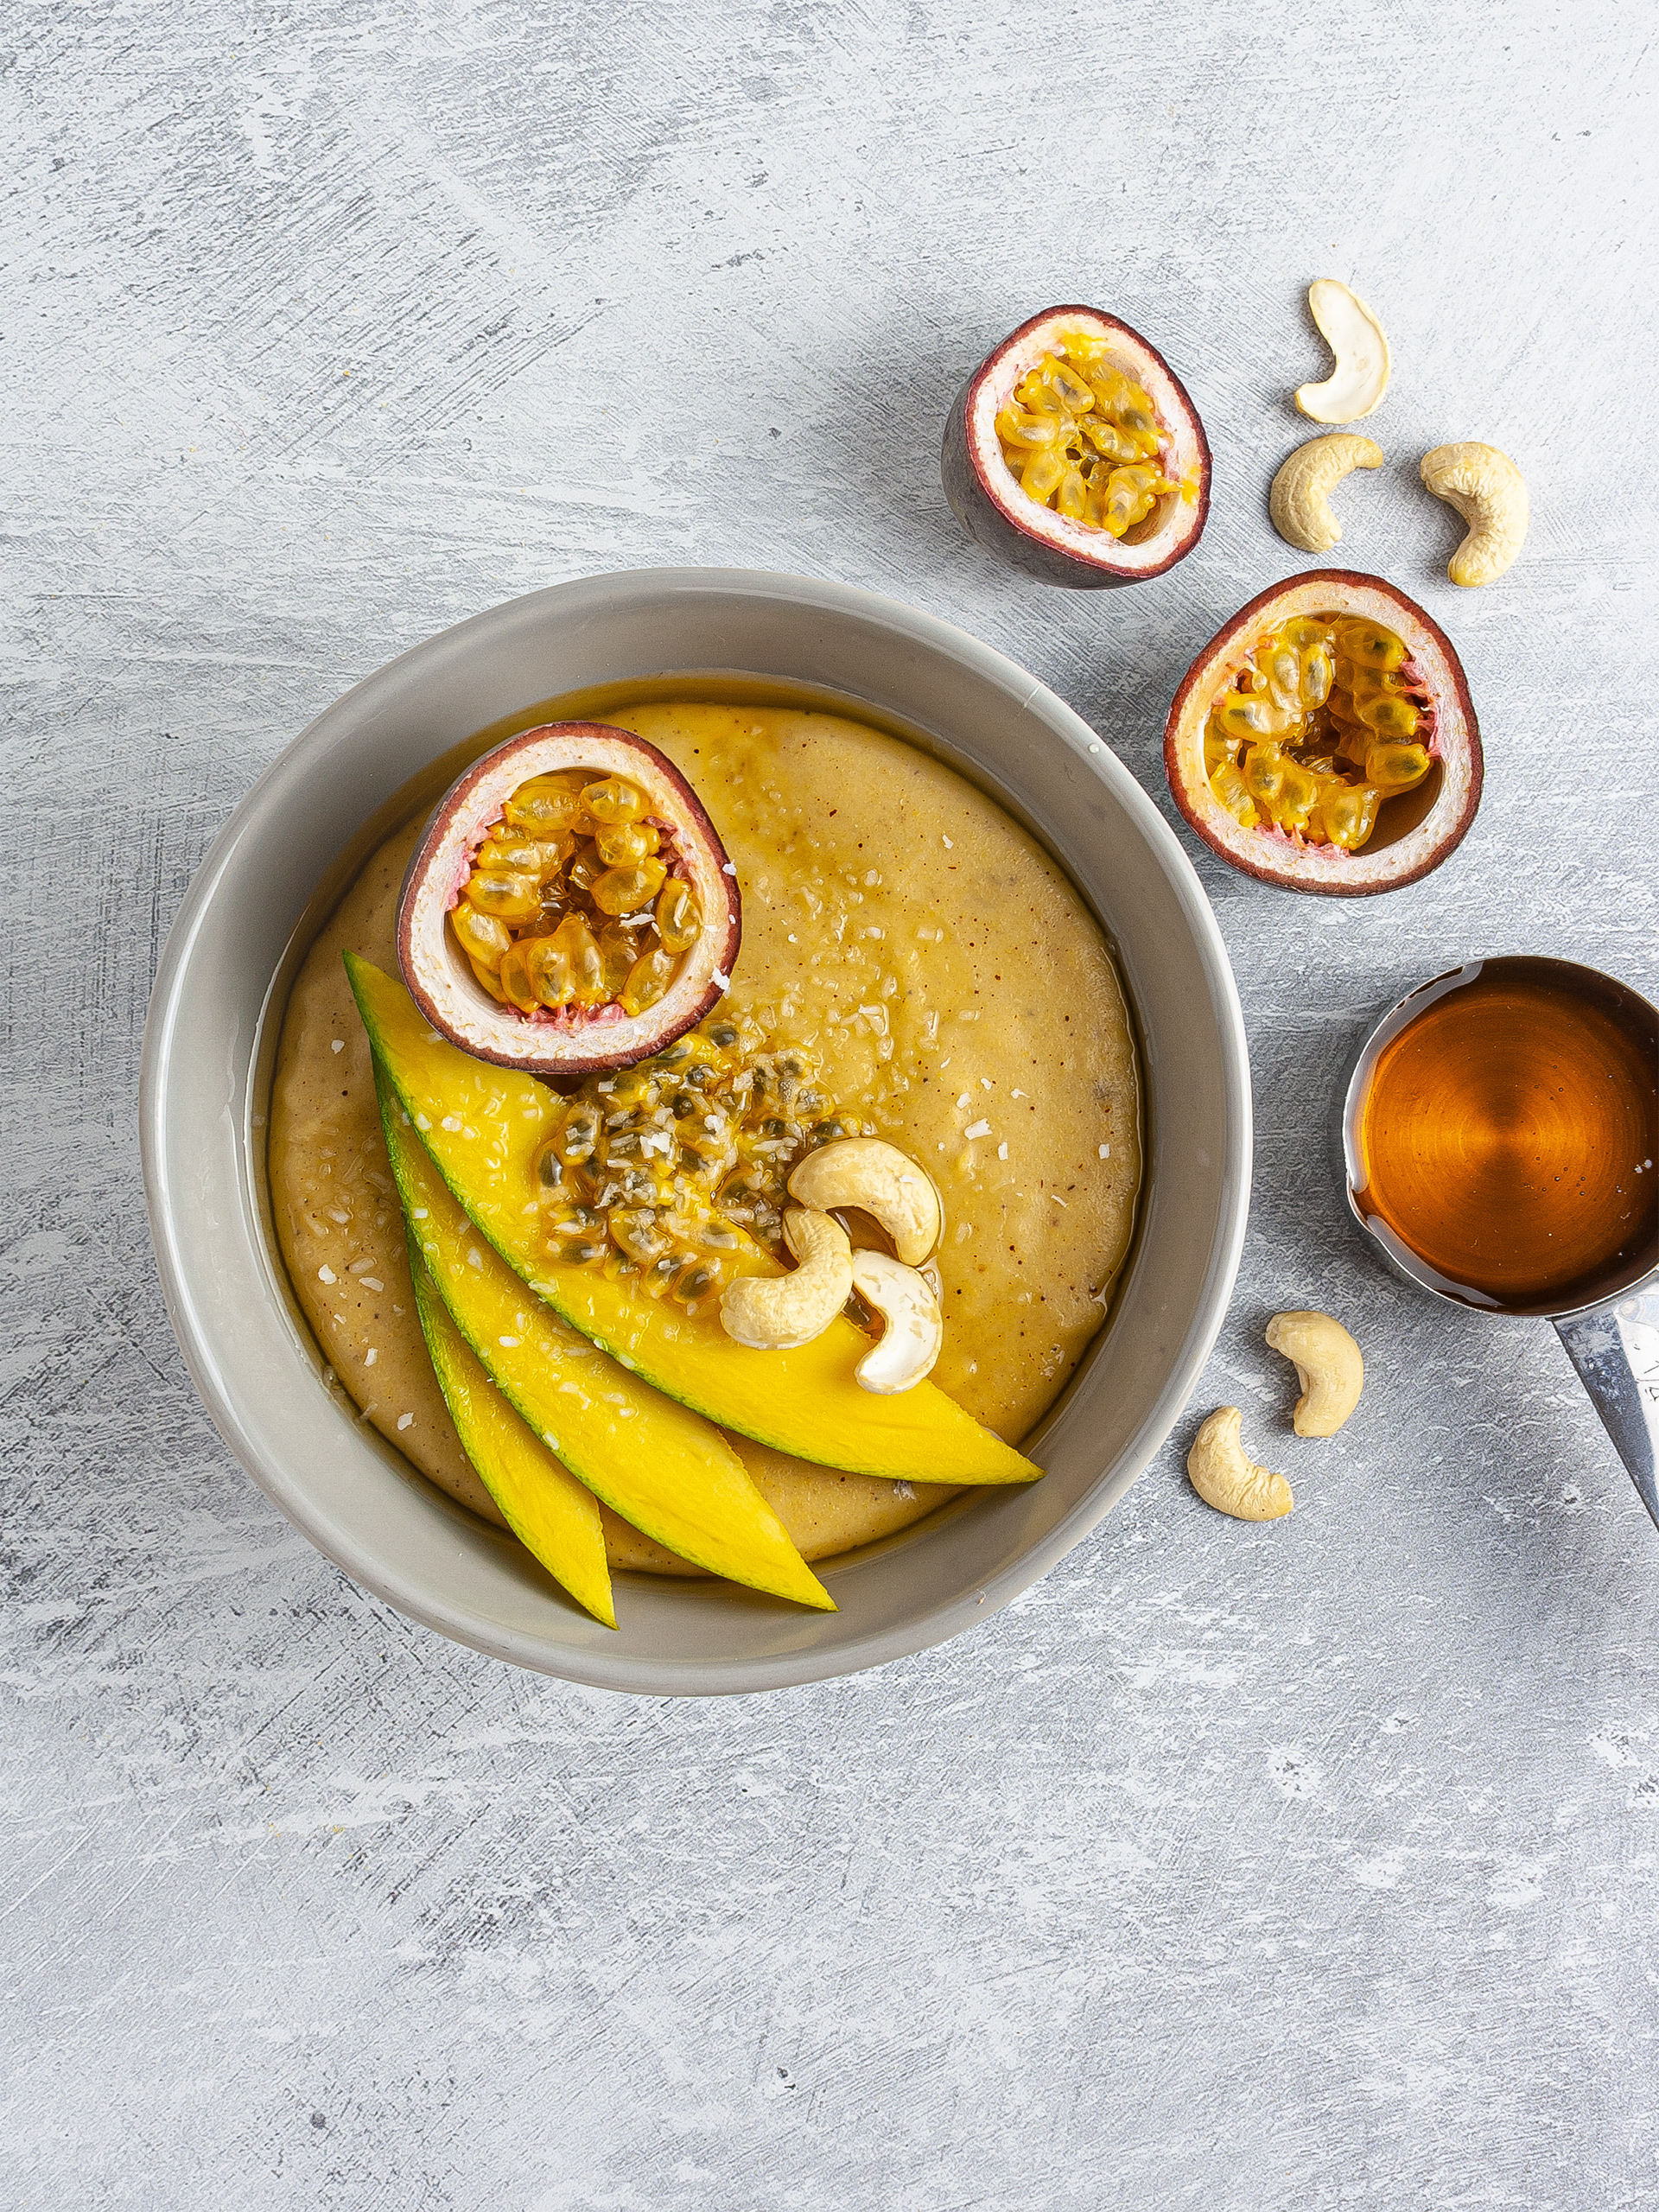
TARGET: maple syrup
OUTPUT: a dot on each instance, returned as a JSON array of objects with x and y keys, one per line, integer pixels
[{"x": 1504, "y": 1129}]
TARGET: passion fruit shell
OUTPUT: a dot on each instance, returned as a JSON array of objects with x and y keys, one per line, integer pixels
[
  {"x": 572, "y": 1041},
  {"x": 985, "y": 495},
  {"x": 1415, "y": 832}
]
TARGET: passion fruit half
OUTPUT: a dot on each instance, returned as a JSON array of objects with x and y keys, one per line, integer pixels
[
  {"x": 1074, "y": 453},
  {"x": 1325, "y": 739},
  {"x": 570, "y": 907}
]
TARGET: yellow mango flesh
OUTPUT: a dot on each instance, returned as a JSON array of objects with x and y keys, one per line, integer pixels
[
  {"x": 661, "y": 1467},
  {"x": 481, "y": 1126},
  {"x": 554, "y": 1517}
]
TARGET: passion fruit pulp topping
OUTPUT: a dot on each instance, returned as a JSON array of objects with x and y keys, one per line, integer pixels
[
  {"x": 1084, "y": 439},
  {"x": 573, "y": 899},
  {"x": 1327, "y": 720},
  {"x": 666, "y": 1171}
]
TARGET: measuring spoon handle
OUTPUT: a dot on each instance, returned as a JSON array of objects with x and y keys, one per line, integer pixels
[{"x": 1615, "y": 1347}]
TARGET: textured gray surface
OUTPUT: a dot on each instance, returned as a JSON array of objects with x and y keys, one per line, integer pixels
[{"x": 1233, "y": 1867}]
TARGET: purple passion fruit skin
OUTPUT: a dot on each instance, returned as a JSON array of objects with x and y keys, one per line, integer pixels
[
  {"x": 1415, "y": 824},
  {"x": 986, "y": 495},
  {"x": 654, "y": 933}
]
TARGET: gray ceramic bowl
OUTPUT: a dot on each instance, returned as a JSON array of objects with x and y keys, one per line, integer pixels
[{"x": 265, "y": 888}]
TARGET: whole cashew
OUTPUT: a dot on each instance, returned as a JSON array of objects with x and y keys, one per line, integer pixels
[
  {"x": 915, "y": 1328},
  {"x": 880, "y": 1180},
  {"x": 1223, "y": 1477},
  {"x": 1299, "y": 500},
  {"x": 1489, "y": 492},
  {"x": 1360, "y": 378},
  {"x": 1328, "y": 1367},
  {"x": 776, "y": 1312}
]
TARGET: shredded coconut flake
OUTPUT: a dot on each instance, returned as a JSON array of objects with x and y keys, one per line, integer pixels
[
  {"x": 327, "y": 1274},
  {"x": 977, "y": 1129},
  {"x": 1105, "y": 1152},
  {"x": 405, "y": 1420},
  {"x": 338, "y": 1046},
  {"x": 510, "y": 1343},
  {"x": 370, "y": 1356},
  {"x": 1001, "y": 1151}
]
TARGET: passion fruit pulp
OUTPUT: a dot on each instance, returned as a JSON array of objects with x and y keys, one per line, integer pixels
[
  {"x": 571, "y": 907},
  {"x": 1325, "y": 739},
  {"x": 663, "y": 1173},
  {"x": 1074, "y": 453}
]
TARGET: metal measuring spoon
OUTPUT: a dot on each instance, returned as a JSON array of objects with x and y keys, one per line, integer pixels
[{"x": 1611, "y": 1338}]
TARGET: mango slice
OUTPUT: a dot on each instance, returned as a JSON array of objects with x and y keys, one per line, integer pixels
[
  {"x": 676, "y": 1479},
  {"x": 554, "y": 1517},
  {"x": 482, "y": 1125}
]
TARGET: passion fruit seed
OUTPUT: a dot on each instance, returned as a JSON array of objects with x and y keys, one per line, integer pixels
[
  {"x": 618, "y": 950},
  {"x": 625, "y": 844},
  {"x": 555, "y": 912},
  {"x": 1322, "y": 727},
  {"x": 1084, "y": 439},
  {"x": 514, "y": 977},
  {"x": 660, "y": 1174},
  {"x": 546, "y": 806},
  {"x": 506, "y": 897},
  {"x": 547, "y": 963},
  {"x": 484, "y": 940},
  {"x": 648, "y": 979},
  {"x": 614, "y": 799},
  {"x": 678, "y": 922},
  {"x": 624, "y": 890}
]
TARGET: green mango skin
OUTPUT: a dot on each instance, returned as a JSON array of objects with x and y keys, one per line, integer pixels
[
  {"x": 481, "y": 1124},
  {"x": 554, "y": 1517},
  {"x": 664, "y": 1469}
]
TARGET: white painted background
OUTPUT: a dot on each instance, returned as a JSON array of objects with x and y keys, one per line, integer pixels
[{"x": 1311, "y": 1865}]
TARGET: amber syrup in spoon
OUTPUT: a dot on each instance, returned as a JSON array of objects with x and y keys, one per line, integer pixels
[{"x": 1508, "y": 1135}]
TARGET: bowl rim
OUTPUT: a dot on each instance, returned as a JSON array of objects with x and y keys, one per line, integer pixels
[{"x": 192, "y": 1320}]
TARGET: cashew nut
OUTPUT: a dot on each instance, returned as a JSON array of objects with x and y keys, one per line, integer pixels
[
  {"x": 1489, "y": 492},
  {"x": 1360, "y": 378},
  {"x": 1299, "y": 501},
  {"x": 775, "y": 1313},
  {"x": 915, "y": 1328},
  {"x": 880, "y": 1180},
  {"x": 1328, "y": 1367},
  {"x": 1223, "y": 1477}
]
